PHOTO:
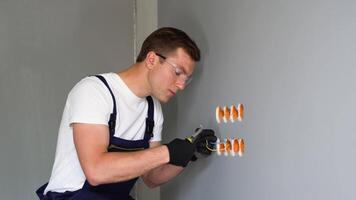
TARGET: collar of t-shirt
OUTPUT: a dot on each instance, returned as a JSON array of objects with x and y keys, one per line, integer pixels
[{"x": 130, "y": 96}]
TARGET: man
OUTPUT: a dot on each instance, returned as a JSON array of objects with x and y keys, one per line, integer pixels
[{"x": 110, "y": 131}]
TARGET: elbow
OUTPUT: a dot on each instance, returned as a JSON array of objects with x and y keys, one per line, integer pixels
[
  {"x": 96, "y": 176},
  {"x": 93, "y": 181},
  {"x": 93, "y": 178}
]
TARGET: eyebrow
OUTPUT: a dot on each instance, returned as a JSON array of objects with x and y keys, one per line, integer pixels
[{"x": 165, "y": 58}]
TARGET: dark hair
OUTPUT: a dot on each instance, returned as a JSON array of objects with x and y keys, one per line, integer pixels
[{"x": 166, "y": 40}]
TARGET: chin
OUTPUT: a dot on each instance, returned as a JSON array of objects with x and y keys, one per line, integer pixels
[{"x": 164, "y": 99}]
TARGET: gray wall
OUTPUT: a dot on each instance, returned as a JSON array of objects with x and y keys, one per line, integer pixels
[
  {"x": 292, "y": 63},
  {"x": 46, "y": 46}
]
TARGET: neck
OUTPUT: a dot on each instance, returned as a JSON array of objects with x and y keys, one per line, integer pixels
[{"x": 135, "y": 77}]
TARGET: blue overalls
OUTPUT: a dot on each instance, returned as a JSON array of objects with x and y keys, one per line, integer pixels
[{"x": 110, "y": 191}]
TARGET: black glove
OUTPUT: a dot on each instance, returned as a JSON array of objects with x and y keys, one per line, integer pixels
[
  {"x": 180, "y": 152},
  {"x": 203, "y": 142}
]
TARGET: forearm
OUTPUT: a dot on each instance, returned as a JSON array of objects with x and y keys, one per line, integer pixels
[
  {"x": 161, "y": 174},
  {"x": 120, "y": 166}
]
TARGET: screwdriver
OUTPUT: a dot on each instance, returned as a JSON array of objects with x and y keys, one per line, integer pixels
[{"x": 192, "y": 138}]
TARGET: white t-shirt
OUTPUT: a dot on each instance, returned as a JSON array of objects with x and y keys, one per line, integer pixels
[{"x": 90, "y": 102}]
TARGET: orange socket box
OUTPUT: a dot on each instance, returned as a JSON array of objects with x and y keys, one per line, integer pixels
[
  {"x": 232, "y": 114},
  {"x": 230, "y": 147}
]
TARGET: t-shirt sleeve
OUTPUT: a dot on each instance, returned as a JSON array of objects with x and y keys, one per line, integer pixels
[
  {"x": 88, "y": 102},
  {"x": 157, "y": 129}
]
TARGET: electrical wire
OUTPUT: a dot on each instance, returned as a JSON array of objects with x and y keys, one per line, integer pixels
[{"x": 207, "y": 146}]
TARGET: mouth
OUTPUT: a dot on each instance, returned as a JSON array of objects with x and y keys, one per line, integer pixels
[{"x": 172, "y": 93}]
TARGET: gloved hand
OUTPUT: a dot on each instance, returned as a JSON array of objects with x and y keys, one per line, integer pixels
[
  {"x": 180, "y": 152},
  {"x": 203, "y": 141}
]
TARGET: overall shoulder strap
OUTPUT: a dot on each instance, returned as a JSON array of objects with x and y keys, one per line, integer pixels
[
  {"x": 150, "y": 117},
  {"x": 112, "y": 120}
]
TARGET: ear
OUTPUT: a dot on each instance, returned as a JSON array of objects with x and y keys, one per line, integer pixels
[{"x": 151, "y": 59}]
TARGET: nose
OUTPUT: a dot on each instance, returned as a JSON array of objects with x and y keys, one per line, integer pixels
[{"x": 180, "y": 85}]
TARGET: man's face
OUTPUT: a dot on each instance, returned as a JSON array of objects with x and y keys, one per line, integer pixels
[{"x": 170, "y": 74}]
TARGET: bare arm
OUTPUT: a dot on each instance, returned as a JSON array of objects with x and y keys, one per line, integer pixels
[
  {"x": 100, "y": 166},
  {"x": 161, "y": 174}
]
